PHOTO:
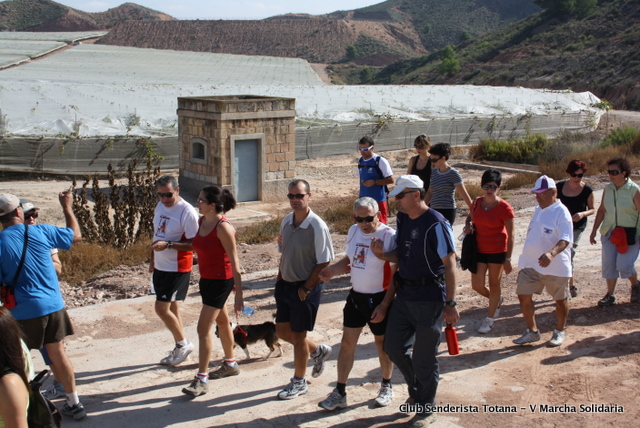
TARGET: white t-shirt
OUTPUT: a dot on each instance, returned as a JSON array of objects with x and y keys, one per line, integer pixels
[
  {"x": 174, "y": 224},
  {"x": 547, "y": 227},
  {"x": 369, "y": 274}
]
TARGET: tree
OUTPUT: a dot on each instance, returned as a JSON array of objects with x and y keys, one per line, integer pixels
[
  {"x": 365, "y": 75},
  {"x": 450, "y": 64},
  {"x": 352, "y": 52},
  {"x": 579, "y": 8}
]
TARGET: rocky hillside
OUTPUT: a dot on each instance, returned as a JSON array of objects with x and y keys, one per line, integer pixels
[
  {"x": 316, "y": 40},
  {"x": 46, "y": 15},
  {"x": 597, "y": 52}
]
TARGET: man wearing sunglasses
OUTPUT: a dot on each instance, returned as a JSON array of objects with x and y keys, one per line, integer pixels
[
  {"x": 426, "y": 289},
  {"x": 175, "y": 224},
  {"x": 305, "y": 244},
  {"x": 375, "y": 173},
  {"x": 367, "y": 302}
]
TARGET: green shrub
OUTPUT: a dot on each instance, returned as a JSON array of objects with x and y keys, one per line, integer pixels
[
  {"x": 527, "y": 149},
  {"x": 620, "y": 137}
]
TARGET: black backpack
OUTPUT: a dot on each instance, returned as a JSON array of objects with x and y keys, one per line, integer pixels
[
  {"x": 42, "y": 412},
  {"x": 377, "y": 167}
]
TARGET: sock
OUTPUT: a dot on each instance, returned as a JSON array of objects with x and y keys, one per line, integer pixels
[
  {"x": 489, "y": 320},
  {"x": 230, "y": 362},
  {"x": 204, "y": 377},
  {"x": 72, "y": 398},
  {"x": 182, "y": 343},
  {"x": 386, "y": 382},
  {"x": 298, "y": 379},
  {"x": 342, "y": 388}
]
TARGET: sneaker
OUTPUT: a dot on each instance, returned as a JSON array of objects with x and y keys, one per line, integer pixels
[
  {"x": 295, "y": 388},
  {"x": 496, "y": 314},
  {"x": 527, "y": 337},
  {"x": 196, "y": 387},
  {"x": 334, "y": 401},
  {"x": 77, "y": 412},
  {"x": 607, "y": 300},
  {"x": 385, "y": 395},
  {"x": 225, "y": 370},
  {"x": 177, "y": 355},
  {"x": 318, "y": 364},
  {"x": 55, "y": 390},
  {"x": 486, "y": 326},
  {"x": 422, "y": 420},
  {"x": 635, "y": 294},
  {"x": 573, "y": 290},
  {"x": 557, "y": 339}
]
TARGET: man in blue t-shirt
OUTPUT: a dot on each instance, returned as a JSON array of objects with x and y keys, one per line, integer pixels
[
  {"x": 39, "y": 308},
  {"x": 375, "y": 173},
  {"x": 426, "y": 288}
]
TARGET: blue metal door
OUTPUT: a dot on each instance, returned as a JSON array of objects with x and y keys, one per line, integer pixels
[{"x": 246, "y": 170}]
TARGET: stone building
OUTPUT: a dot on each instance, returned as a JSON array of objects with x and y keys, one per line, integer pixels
[{"x": 242, "y": 142}]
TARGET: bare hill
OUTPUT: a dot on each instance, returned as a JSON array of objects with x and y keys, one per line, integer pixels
[
  {"x": 46, "y": 15},
  {"x": 316, "y": 40}
]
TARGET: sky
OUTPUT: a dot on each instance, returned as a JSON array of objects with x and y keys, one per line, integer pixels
[{"x": 226, "y": 9}]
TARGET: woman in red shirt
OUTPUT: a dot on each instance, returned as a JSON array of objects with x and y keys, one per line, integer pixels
[
  {"x": 492, "y": 220},
  {"x": 215, "y": 244}
]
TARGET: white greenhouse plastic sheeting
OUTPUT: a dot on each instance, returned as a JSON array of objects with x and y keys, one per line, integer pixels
[{"x": 94, "y": 90}]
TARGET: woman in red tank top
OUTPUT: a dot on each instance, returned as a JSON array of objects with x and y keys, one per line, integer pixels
[{"x": 215, "y": 244}]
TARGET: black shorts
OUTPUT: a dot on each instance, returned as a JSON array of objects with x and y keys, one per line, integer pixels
[
  {"x": 50, "y": 328},
  {"x": 170, "y": 286},
  {"x": 289, "y": 307},
  {"x": 215, "y": 292},
  {"x": 498, "y": 258},
  {"x": 358, "y": 309}
]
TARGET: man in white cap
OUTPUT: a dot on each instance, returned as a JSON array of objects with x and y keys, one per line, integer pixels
[
  {"x": 545, "y": 261},
  {"x": 39, "y": 308},
  {"x": 426, "y": 289}
]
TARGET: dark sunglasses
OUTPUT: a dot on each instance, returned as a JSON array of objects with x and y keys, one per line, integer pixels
[
  {"x": 489, "y": 186},
  {"x": 614, "y": 171},
  {"x": 201, "y": 201},
  {"x": 579, "y": 175},
  {"x": 296, "y": 196},
  {"x": 164, "y": 194},
  {"x": 367, "y": 219},
  {"x": 435, "y": 159},
  {"x": 419, "y": 146},
  {"x": 402, "y": 195},
  {"x": 31, "y": 215}
]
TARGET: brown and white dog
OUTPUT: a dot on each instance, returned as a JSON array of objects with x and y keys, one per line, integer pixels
[{"x": 244, "y": 335}]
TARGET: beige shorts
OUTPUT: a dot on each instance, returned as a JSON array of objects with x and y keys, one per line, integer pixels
[{"x": 530, "y": 281}]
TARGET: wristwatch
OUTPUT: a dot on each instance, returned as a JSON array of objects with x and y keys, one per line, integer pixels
[
  {"x": 451, "y": 303},
  {"x": 169, "y": 244}
]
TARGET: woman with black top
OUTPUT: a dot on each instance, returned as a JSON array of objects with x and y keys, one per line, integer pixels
[
  {"x": 420, "y": 164},
  {"x": 578, "y": 197}
]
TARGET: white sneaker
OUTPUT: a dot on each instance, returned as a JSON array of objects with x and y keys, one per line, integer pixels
[
  {"x": 385, "y": 395},
  {"x": 496, "y": 314},
  {"x": 486, "y": 326},
  {"x": 177, "y": 355},
  {"x": 295, "y": 388},
  {"x": 55, "y": 390},
  {"x": 557, "y": 338},
  {"x": 527, "y": 337},
  {"x": 318, "y": 361},
  {"x": 334, "y": 401}
]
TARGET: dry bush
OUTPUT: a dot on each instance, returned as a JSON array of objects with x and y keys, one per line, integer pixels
[
  {"x": 85, "y": 260},
  {"x": 474, "y": 190},
  {"x": 520, "y": 180},
  {"x": 339, "y": 216},
  {"x": 261, "y": 232}
]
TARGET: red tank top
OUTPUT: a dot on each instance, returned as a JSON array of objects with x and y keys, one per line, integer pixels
[{"x": 213, "y": 260}]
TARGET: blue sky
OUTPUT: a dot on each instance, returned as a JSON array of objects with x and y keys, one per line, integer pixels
[{"x": 226, "y": 9}]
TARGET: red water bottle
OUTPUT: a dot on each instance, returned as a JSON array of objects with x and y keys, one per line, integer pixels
[{"x": 452, "y": 339}]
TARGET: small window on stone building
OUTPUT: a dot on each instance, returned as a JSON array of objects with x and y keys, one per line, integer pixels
[{"x": 198, "y": 152}]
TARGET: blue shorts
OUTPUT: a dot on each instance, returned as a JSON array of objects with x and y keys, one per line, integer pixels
[
  {"x": 614, "y": 264},
  {"x": 289, "y": 307}
]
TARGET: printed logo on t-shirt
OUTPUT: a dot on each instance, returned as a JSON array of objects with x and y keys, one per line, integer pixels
[
  {"x": 415, "y": 233},
  {"x": 162, "y": 226},
  {"x": 359, "y": 259},
  {"x": 547, "y": 230}
]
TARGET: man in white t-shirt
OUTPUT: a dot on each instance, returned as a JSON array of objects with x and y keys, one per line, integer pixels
[
  {"x": 545, "y": 261},
  {"x": 175, "y": 224},
  {"x": 369, "y": 299}
]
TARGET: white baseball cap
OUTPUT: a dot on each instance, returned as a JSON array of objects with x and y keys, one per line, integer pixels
[
  {"x": 407, "y": 182},
  {"x": 543, "y": 184},
  {"x": 8, "y": 203},
  {"x": 27, "y": 206}
]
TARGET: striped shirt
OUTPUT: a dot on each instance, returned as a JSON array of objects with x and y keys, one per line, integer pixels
[{"x": 444, "y": 186}]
